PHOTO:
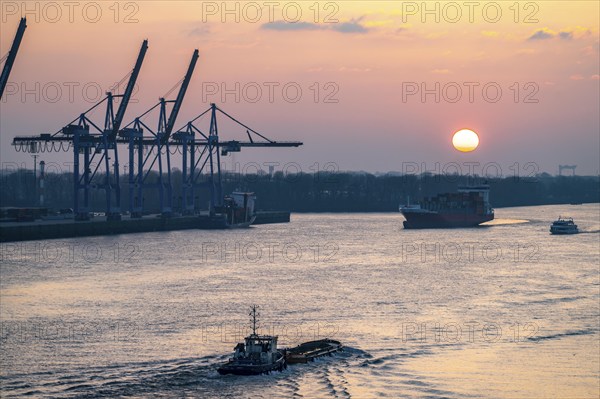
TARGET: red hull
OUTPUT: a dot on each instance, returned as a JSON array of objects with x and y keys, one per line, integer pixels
[{"x": 431, "y": 220}]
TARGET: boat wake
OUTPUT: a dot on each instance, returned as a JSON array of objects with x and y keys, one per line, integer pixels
[
  {"x": 562, "y": 335},
  {"x": 502, "y": 222},
  {"x": 115, "y": 380},
  {"x": 190, "y": 377}
]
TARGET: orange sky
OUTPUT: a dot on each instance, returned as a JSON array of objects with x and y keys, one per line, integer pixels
[{"x": 370, "y": 57}]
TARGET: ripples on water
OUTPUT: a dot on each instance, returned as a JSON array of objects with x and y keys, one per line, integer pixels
[{"x": 500, "y": 311}]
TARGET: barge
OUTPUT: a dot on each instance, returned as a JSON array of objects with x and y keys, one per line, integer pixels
[{"x": 311, "y": 350}]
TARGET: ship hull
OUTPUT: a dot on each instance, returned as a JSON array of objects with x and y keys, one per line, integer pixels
[
  {"x": 563, "y": 231},
  {"x": 220, "y": 222},
  {"x": 244, "y": 368},
  {"x": 436, "y": 220}
]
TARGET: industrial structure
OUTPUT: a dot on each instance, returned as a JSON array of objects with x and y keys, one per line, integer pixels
[
  {"x": 147, "y": 148},
  {"x": 12, "y": 55},
  {"x": 566, "y": 167}
]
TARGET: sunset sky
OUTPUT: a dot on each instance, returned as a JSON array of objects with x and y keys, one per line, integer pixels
[{"x": 366, "y": 65}]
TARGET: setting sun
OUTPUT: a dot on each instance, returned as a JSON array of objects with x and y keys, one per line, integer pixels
[{"x": 465, "y": 140}]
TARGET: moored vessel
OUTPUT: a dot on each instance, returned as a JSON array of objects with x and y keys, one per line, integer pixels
[{"x": 236, "y": 211}]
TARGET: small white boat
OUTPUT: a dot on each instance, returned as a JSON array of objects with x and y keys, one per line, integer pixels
[{"x": 564, "y": 226}]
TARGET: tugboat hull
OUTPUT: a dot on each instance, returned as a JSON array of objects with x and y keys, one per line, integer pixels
[{"x": 246, "y": 368}]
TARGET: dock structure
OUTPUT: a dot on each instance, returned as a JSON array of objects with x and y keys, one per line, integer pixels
[
  {"x": 95, "y": 150},
  {"x": 53, "y": 229}
]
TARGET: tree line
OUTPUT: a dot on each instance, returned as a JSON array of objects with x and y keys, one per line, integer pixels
[{"x": 314, "y": 192}]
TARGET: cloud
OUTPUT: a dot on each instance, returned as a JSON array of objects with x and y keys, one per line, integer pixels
[
  {"x": 200, "y": 31},
  {"x": 291, "y": 26},
  {"x": 566, "y": 35},
  {"x": 353, "y": 69},
  {"x": 441, "y": 71},
  {"x": 592, "y": 50},
  {"x": 380, "y": 23},
  {"x": 576, "y": 77},
  {"x": 542, "y": 34},
  {"x": 339, "y": 69},
  {"x": 352, "y": 26},
  {"x": 577, "y": 32},
  {"x": 595, "y": 77}
]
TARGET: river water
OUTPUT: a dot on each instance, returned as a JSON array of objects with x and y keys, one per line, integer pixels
[{"x": 503, "y": 311}]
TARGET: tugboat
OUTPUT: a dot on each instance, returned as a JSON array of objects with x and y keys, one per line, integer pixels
[
  {"x": 309, "y": 351},
  {"x": 258, "y": 354},
  {"x": 564, "y": 226}
]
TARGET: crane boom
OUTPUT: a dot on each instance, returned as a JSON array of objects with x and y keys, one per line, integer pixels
[
  {"x": 128, "y": 91},
  {"x": 180, "y": 96},
  {"x": 10, "y": 60}
]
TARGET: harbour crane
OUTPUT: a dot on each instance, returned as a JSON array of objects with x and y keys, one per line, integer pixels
[
  {"x": 209, "y": 160},
  {"x": 147, "y": 150},
  {"x": 158, "y": 143},
  {"x": 111, "y": 132},
  {"x": 12, "y": 55},
  {"x": 88, "y": 145}
]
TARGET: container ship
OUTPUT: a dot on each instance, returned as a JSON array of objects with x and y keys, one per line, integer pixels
[{"x": 467, "y": 207}]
